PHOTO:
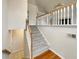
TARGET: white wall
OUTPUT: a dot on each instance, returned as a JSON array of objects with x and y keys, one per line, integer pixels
[
  {"x": 60, "y": 41},
  {"x": 4, "y": 25},
  {"x": 17, "y": 14},
  {"x": 32, "y": 14},
  {"x": 5, "y": 40},
  {"x": 14, "y": 15}
]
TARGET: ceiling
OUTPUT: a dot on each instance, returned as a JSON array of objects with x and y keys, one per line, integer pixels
[{"x": 48, "y": 5}]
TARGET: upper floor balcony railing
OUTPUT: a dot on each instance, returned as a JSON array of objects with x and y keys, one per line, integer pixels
[{"x": 62, "y": 15}]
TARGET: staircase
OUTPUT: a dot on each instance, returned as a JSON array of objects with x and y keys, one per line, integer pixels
[
  {"x": 38, "y": 43},
  {"x": 39, "y": 46}
]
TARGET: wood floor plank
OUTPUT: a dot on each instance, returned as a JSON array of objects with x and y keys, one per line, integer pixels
[{"x": 47, "y": 55}]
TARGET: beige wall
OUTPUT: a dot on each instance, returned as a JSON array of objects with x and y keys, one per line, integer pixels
[{"x": 16, "y": 38}]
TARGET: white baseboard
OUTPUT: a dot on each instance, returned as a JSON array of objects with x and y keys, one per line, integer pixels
[{"x": 56, "y": 53}]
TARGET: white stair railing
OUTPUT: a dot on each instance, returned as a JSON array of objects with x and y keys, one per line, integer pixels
[{"x": 62, "y": 15}]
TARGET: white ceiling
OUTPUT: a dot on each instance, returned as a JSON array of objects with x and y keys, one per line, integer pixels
[{"x": 48, "y": 5}]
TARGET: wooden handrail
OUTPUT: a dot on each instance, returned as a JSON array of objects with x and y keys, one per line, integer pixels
[{"x": 69, "y": 4}]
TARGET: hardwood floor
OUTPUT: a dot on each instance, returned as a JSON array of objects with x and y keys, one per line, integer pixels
[{"x": 47, "y": 55}]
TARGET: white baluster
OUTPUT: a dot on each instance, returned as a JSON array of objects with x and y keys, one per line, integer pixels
[
  {"x": 72, "y": 14},
  {"x": 47, "y": 20},
  {"x": 58, "y": 17},
  {"x": 53, "y": 18},
  {"x": 68, "y": 15},
  {"x": 64, "y": 15},
  {"x": 61, "y": 16}
]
